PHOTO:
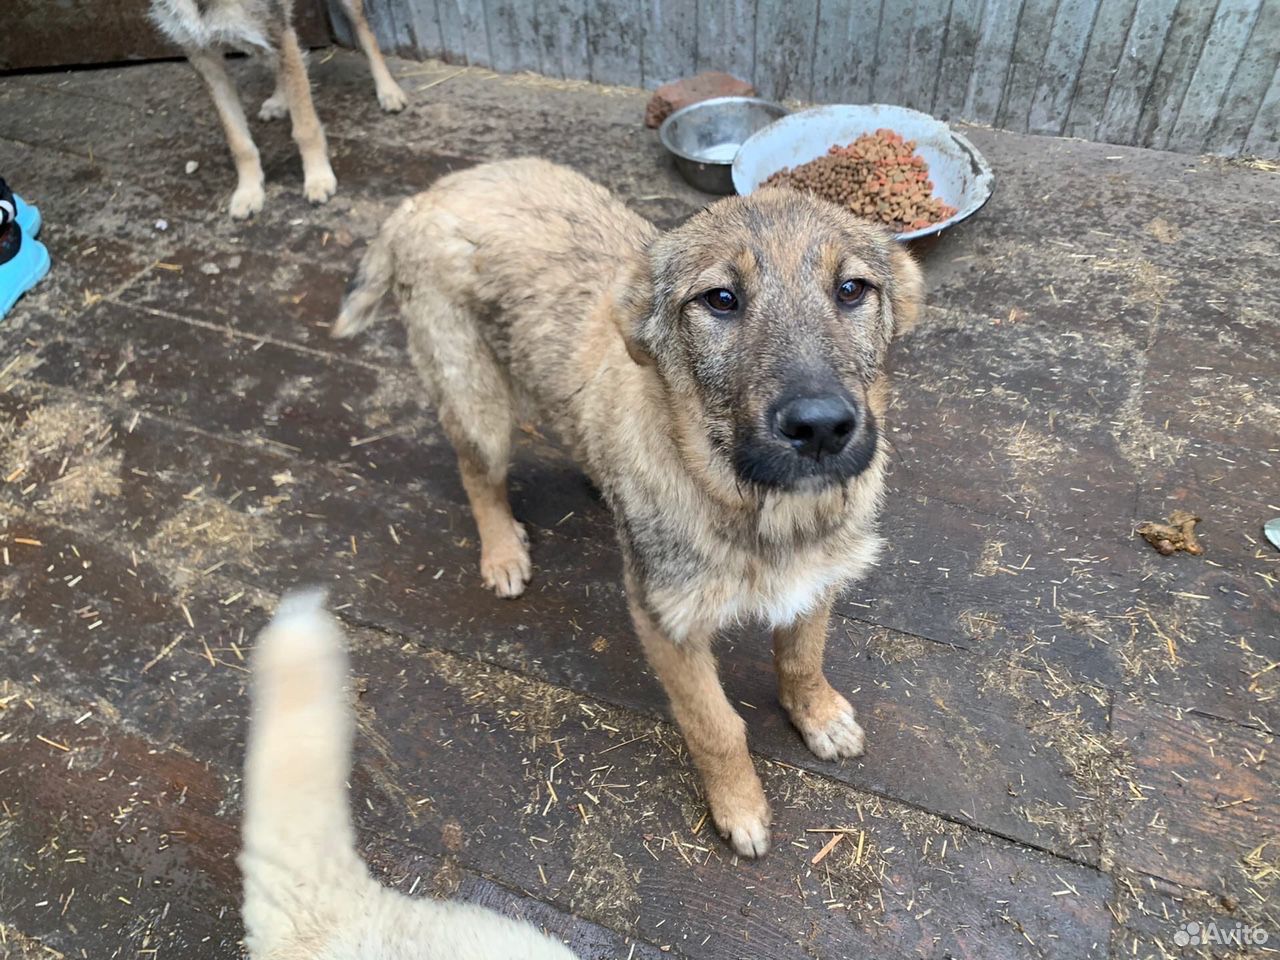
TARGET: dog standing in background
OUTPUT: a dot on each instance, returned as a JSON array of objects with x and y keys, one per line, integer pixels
[
  {"x": 723, "y": 385},
  {"x": 307, "y": 893},
  {"x": 205, "y": 28}
]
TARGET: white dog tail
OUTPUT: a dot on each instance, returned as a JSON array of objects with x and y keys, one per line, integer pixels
[
  {"x": 371, "y": 283},
  {"x": 299, "y": 855},
  {"x": 373, "y": 278}
]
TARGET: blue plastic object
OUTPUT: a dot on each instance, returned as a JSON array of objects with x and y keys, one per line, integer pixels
[
  {"x": 24, "y": 271},
  {"x": 28, "y": 217}
]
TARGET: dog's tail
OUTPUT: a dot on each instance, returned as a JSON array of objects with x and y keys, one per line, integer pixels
[
  {"x": 299, "y": 845},
  {"x": 372, "y": 280}
]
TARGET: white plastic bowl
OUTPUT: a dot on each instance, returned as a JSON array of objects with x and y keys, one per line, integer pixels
[{"x": 961, "y": 176}]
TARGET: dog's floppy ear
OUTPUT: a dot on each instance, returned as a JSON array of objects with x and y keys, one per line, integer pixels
[
  {"x": 632, "y": 304},
  {"x": 906, "y": 294}
]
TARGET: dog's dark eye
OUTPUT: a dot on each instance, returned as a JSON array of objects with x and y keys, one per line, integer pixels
[
  {"x": 851, "y": 292},
  {"x": 720, "y": 300}
]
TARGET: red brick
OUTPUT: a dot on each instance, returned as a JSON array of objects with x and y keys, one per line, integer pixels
[{"x": 670, "y": 97}]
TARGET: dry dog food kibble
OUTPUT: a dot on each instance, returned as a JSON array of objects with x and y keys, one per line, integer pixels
[{"x": 879, "y": 176}]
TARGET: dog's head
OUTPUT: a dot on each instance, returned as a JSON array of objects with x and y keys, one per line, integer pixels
[{"x": 770, "y": 316}]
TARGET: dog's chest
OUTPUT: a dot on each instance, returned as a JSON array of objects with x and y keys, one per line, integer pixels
[
  {"x": 776, "y": 588},
  {"x": 207, "y": 24},
  {"x": 779, "y": 589}
]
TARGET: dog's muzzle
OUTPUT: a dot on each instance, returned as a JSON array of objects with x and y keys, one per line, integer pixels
[
  {"x": 816, "y": 427},
  {"x": 810, "y": 437}
]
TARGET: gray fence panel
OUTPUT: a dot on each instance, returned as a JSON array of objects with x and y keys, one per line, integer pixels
[
  {"x": 1248, "y": 87},
  {"x": 424, "y": 23},
  {"x": 845, "y": 50},
  {"x": 1129, "y": 86},
  {"x": 991, "y": 59},
  {"x": 1060, "y": 72},
  {"x": 1264, "y": 136},
  {"x": 562, "y": 38},
  {"x": 513, "y": 35},
  {"x": 1102, "y": 59},
  {"x": 727, "y": 36},
  {"x": 924, "y": 54},
  {"x": 1182, "y": 47},
  {"x": 1035, "y": 25},
  {"x": 963, "y": 31},
  {"x": 893, "y": 48},
  {"x": 670, "y": 49},
  {"x": 1220, "y": 57},
  {"x": 1186, "y": 75},
  {"x": 615, "y": 34},
  {"x": 785, "y": 31}
]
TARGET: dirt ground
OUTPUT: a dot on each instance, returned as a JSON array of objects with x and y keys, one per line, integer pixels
[{"x": 1071, "y": 737}]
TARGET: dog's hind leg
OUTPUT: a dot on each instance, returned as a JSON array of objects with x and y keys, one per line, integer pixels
[
  {"x": 248, "y": 196},
  {"x": 276, "y": 106},
  {"x": 504, "y": 545},
  {"x": 390, "y": 96},
  {"x": 823, "y": 717},
  {"x": 319, "y": 182},
  {"x": 477, "y": 411}
]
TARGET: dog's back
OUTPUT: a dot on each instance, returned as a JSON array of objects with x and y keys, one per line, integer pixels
[
  {"x": 469, "y": 236},
  {"x": 307, "y": 893},
  {"x": 500, "y": 271}
]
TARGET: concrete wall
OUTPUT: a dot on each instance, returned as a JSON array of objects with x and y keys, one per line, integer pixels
[{"x": 1189, "y": 75}]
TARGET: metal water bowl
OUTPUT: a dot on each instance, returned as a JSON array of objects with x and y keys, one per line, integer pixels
[{"x": 704, "y": 137}]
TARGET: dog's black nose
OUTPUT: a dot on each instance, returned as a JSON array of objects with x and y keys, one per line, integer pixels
[{"x": 816, "y": 426}]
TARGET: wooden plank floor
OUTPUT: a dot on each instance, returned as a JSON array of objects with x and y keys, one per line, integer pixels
[{"x": 1071, "y": 738}]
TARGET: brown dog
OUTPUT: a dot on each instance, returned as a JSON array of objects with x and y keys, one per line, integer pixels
[
  {"x": 721, "y": 383},
  {"x": 205, "y": 28}
]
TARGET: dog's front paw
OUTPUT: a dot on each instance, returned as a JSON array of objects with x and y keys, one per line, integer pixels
[
  {"x": 392, "y": 99},
  {"x": 275, "y": 107},
  {"x": 748, "y": 835},
  {"x": 320, "y": 185},
  {"x": 742, "y": 818},
  {"x": 506, "y": 566},
  {"x": 247, "y": 200},
  {"x": 829, "y": 727}
]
